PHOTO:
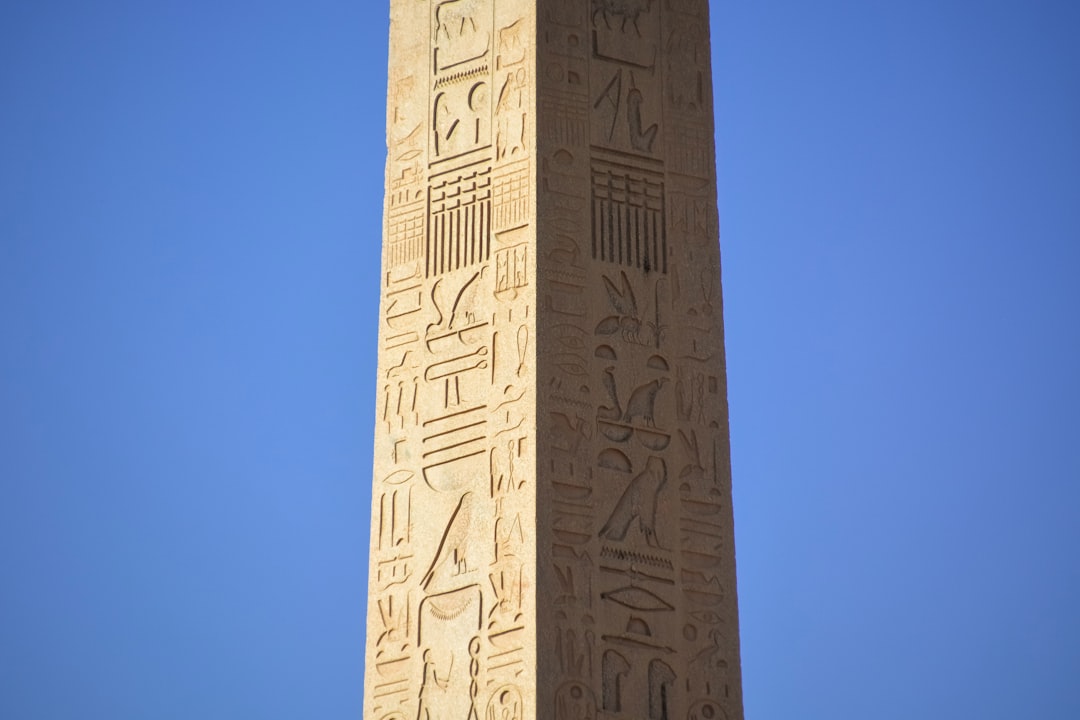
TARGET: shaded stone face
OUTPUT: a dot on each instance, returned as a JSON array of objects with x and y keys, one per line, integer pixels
[{"x": 552, "y": 526}]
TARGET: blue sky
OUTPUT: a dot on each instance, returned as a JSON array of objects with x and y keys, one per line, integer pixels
[{"x": 190, "y": 218}]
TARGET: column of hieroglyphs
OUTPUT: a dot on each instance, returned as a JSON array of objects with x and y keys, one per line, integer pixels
[
  {"x": 635, "y": 521},
  {"x": 451, "y": 620},
  {"x": 552, "y": 528}
]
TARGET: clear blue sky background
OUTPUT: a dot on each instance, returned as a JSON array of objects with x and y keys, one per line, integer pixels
[{"x": 190, "y": 219}]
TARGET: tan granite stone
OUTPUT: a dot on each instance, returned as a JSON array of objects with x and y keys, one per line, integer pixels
[{"x": 551, "y": 508}]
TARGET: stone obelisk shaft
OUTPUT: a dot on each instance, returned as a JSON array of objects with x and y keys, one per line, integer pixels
[{"x": 551, "y": 521}]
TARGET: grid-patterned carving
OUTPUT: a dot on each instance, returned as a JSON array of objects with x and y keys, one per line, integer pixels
[
  {"x": 405, "y": 233},
  {"x": 689, "y": 153},
  {"x": 565, "y": 123},
  {"x": 512, "y": 196},
  {"x": 459, "y": 234},
  {"x": 628, "y": 217}
]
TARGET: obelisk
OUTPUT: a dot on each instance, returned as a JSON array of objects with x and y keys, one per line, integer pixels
[{"x": 551, "y": 506}]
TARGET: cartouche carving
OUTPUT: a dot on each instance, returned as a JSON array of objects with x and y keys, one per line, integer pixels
[
  {"x": 575, "y": 701},
  {"x": 505, "y": 704}
]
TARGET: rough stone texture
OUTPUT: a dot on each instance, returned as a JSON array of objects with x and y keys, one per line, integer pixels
[{"x": 551, "y": 521}]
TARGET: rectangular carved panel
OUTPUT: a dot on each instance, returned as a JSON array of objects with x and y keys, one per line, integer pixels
[
  {"x": 459, "y": 207},
  {"x": 629, "y": 226}
]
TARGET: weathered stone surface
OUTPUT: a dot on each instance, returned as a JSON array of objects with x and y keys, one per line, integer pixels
[{"x": 551, "y": 521}]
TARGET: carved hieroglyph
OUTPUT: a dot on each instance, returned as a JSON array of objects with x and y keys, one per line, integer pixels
[{"x": 551, "y": 517}]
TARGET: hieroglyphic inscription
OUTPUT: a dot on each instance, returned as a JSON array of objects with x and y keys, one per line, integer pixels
[
  {"x": 628, "y": 216},
  {"x": 628, "y": 199},
  {"x": 636, "y": 469},
  {"x": 514, "y": 85},
  {"x": 512, "y": 197},
  {"x": 461, "y": 59},
  {"x": 405, "y": 234},
  {"x": 686, "y": 157},
  {"x": 453, "y": 512},
  {"x": 569, "y": 491},
  {"x": 459, "y": 207},
  {"x": 551, "y": 529},
  {"x": 405, "y": 171},
  {"x": 395, "y": 553}
]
